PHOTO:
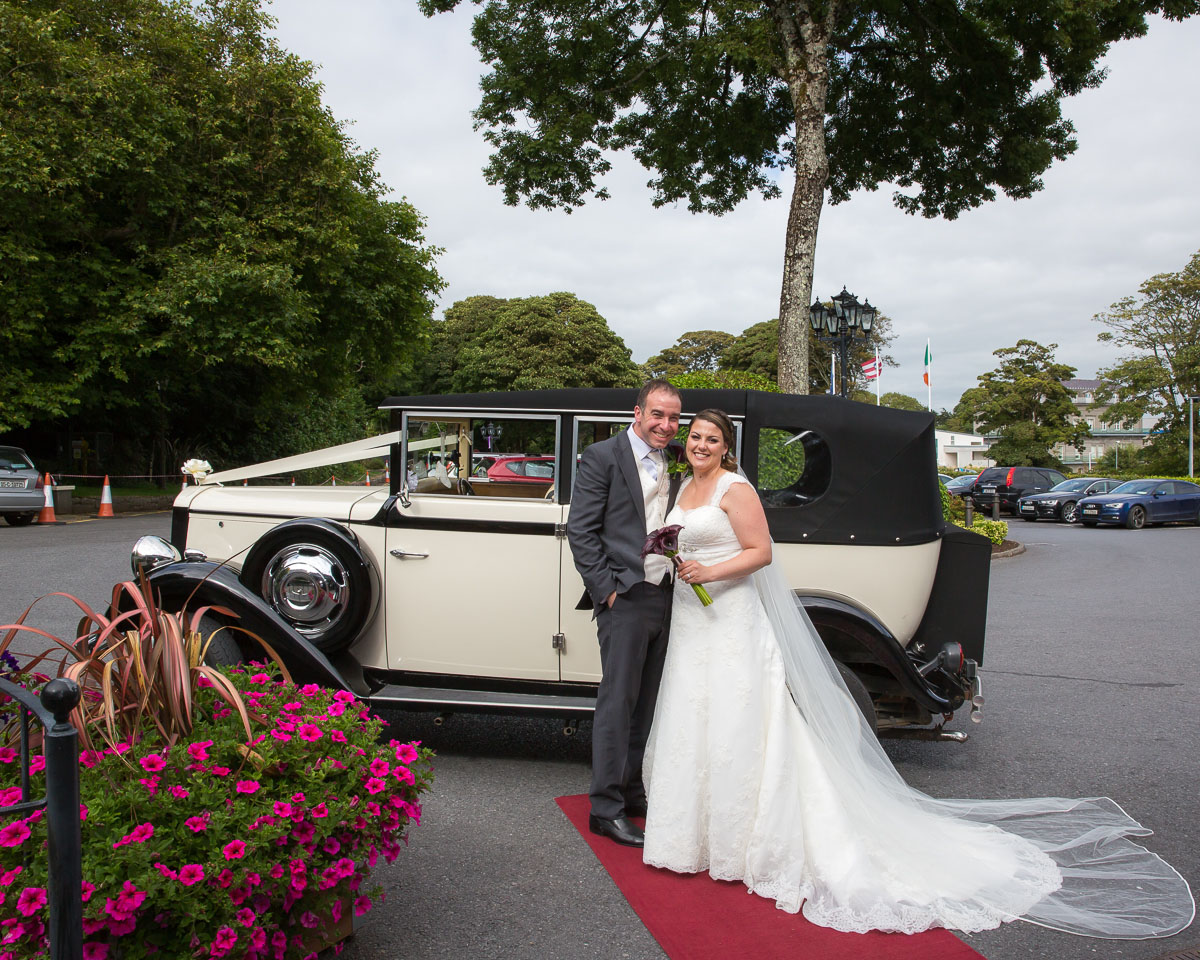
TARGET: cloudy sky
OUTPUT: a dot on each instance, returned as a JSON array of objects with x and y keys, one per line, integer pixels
[{"x": 1124, "y": 207}]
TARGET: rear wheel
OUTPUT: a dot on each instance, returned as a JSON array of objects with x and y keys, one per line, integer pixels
[
  {"x": 223, "y": 649},
  {"x": 862, "y": 696},
  {"x": 19, "y": 519},
  {"x": 1136, "y": 518},
  {"x": 1070, "y": 512}
]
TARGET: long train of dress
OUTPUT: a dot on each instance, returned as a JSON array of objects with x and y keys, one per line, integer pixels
[{"x": 761, "y": 769}]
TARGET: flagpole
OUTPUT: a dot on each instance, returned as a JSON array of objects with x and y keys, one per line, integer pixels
[
  {"x": 832, "y": 374},
  {"x": 878, "y": 376}
]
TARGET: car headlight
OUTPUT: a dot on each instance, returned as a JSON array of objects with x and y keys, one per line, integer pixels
[
  {"x": 1115, "y": 506},
  {"x": 1050, "y": 503}
]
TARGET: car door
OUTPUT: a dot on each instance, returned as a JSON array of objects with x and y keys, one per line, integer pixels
[{"x": 1163, "y": 504}]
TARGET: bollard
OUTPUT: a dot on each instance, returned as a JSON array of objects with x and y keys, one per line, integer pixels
[
  {"x": 970, "y": 505},
  {"x": 996, "y": 507}
]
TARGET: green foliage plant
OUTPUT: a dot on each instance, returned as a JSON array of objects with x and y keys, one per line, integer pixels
[
  {"x": 249, "y": 835},
  {"x": 994, "y": 530}
]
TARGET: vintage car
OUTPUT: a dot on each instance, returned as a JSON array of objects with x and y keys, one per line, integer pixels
[{"x": 462, "y": 595}]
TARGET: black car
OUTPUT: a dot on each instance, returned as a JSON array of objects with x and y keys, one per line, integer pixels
[
  {"x": 1061, "y": 501},
  {"x": 1010, "y": 484}
]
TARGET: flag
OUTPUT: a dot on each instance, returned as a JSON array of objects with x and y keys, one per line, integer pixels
[
  {"x": 928, "y": 357},
  {"x": 871, "y": 368}
]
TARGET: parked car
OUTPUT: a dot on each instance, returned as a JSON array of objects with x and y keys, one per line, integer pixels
[
  {"x": 1136, "y": 503},
  {"x": 1009, "y": 484},
  {"x": 1061, "y": 502},
  {"x": 21, "y": 487},
  {"x": 960, "y": 486},
  {"x": 943, "y": 479},
  {"x": 465, "y": 597},
  {"x": 521, "y": 470}
]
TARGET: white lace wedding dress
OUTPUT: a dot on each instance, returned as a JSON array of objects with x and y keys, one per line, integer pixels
[{"x": 766, "y": 774}]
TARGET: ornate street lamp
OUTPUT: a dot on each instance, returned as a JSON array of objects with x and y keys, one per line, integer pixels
[{"x": 846, "y": 322}]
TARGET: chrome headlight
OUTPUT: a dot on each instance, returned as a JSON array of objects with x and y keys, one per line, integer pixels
[
  {"x": 150, "y": 552},
  {"x": 1050, "y": 503},
  {"x": 1114, "y": 506}
]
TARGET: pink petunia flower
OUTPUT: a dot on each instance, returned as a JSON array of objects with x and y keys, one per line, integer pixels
[
  {"x": 199, "y": 749},
  {"x": 178, "y": 792},
  {"x": 335, "y": 709},
  {"x": 234, "y": 850},
  {"x": 151, "y": 784},
  {"x": 308, "y": 919},
  {"x": 246, "y": 917},
  {"x": 310, "y": 732},
  {"x": 344, "y": 696},
  {"x": 374, "y": 785},
  {"x": 361, "y": 905},
  {"x": 152, "y": 763},
  {"x": 8, "y": 754},
  {"x": 260, "y": 678},
  {"x": 196, "y": 824},
  {"x": 337, "y": 736},
  {"x": 282, "y": 809},
  {"x": 320, "y": 811},
  {"x": 141, "y": 833},
  {"x": 13, "y": 834},
  {"x": 83, "y": 811},
  {"x": 406, "y": 753},
  {"x": 95, "y": 951},
  {"x": 248, "y": 786},
  {"x": 281, "y": 735},
  {"x": 86, "y": 891},
  {"x": 190, "y": 874},
  {"x": 380, "y": 767},
  {"x": 219, "y": 771},
  {"x": 31, "y": 900},
  {"x": 310, "y": 690},
  {"x": 37, "y": 764},
  {"x": 404, "y": 775}
]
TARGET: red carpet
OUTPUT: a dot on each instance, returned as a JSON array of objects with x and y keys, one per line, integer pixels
[{"x": 694, "y": 917}]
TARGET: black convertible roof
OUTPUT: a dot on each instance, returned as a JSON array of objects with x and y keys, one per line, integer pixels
[{"x": 871, "y": 477}]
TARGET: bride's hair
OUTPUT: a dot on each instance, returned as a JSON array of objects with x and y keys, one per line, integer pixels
[{"x": 722, "y": 422}]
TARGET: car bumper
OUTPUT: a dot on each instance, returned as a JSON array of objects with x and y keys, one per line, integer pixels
[
  {"x": 1040, "y": 510},
  {"x": 20, "y": 501},
  {"x": 1103, "y": 516}
]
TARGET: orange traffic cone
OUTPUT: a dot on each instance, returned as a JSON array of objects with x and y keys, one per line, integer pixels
[
  {"x": 46, "y": 514},
  {"x": 387, "y": 472},
  {"x": 333, "y": 479},
  {"x": 293, "y": 481},
  {"x": 368, "y": 478},
  {"x": 106, "y": 509}
]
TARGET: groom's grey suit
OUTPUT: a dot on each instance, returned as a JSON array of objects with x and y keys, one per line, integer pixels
[{"x": 607, "y": 529}]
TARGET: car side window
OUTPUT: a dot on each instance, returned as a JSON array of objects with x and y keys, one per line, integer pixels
[
  {"x": 1165, "y": 488},
  {"x": 794, "y": 466}
]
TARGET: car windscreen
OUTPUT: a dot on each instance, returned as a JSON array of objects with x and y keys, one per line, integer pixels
[
  {"x": 1071, "y": 486},
  {"x": 1135, "y": 486},
  {"x": 13, "y": 459}
]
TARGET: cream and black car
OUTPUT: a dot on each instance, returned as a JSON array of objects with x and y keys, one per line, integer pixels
[{"x": 450, "y": 592}]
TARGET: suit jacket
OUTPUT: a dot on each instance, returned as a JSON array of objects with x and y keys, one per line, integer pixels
[{"x": 607, "y": 524}]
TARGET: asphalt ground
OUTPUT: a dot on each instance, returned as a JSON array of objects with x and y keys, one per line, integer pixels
[{"x": 1090, "y": 677}]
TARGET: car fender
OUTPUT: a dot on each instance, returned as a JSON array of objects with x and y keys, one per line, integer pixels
[
  {"x": 853, "y": 635},
  {"x": 196, "y": 583}
]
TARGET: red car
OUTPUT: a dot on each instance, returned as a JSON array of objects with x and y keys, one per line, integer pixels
[{"x": 518, "y": 469}]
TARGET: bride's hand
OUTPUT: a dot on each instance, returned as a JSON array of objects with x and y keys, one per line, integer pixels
[{"x": 690, "y": 571}]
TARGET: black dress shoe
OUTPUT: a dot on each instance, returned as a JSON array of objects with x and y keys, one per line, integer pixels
[
  {"x": 635, "y": 809},
  {"x": 620, "y": 830}
]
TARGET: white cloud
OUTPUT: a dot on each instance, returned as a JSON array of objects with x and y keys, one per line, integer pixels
[{"x": 1123, "y": 208}]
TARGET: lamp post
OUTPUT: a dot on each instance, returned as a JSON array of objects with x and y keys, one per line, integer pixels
[
  {"x": 1191, "y": 435},
  {"x": 841, "y": 324}
]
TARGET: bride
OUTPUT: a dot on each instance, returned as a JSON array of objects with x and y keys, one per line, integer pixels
[{"x": 761, "y": 769}]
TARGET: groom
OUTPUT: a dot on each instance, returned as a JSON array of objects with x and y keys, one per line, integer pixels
[{"x": 621, "y": 494}]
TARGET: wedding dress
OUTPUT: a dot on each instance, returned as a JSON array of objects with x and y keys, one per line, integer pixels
[{"x": 761, "y": 769}]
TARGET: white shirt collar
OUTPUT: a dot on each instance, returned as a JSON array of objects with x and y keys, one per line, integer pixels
[{"x": 639, "y": 446}]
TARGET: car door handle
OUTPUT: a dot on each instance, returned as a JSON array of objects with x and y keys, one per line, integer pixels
[{"x": 402, "y": 554}]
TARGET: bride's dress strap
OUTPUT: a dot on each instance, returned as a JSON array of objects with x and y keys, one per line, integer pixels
[{"x": 727, "y": 479}]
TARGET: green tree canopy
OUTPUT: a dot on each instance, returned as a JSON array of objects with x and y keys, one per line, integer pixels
[
  {"x": 900, "y": 401},
  {"x": 530, "y": 343},
  {"x": 695, "y": 350},
  {"x": 951, "y": 102},
  {"x": 1024, "y": 401},
  {"x": 1160, "y": 330},
  {"x": 186, "y": 233}
]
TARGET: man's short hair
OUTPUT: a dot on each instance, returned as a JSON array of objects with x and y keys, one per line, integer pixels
[{"x": 657, "y": 384}]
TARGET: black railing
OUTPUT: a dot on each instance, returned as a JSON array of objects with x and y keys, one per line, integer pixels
[{"x": 60, "y": 745}]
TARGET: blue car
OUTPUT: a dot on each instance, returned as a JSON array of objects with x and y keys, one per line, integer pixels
[{"x": 1136, "y": 503}]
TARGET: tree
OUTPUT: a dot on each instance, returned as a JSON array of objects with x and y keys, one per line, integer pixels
[
  {"x": 1024, "y": 400},
  {"x": 696, "y": 350},
  {"x": 900, "y": 401},
  {"x": 1161, "y": 328},
  {"x": 189, "y": 241},
  {"x": 717, "y": 98},
  {"x": 531, "y": 343}
]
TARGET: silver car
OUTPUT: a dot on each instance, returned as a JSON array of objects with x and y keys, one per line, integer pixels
[{"x": 21, "y": 493}]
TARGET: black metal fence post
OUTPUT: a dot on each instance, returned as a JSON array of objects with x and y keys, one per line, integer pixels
[{"x": 60, "y": 744}]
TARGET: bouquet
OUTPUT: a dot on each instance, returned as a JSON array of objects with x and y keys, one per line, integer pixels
[{"x": 665, "y": 543}]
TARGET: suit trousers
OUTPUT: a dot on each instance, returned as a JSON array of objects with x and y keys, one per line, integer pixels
[{"x": 633, "y": 645}]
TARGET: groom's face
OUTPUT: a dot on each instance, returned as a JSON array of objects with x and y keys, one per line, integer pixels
[{"x": 658, "y": 421}]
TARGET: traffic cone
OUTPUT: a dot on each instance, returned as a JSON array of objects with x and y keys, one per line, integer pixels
[
  {"x": 387, "y": 472},
  {"x": 106, "y": 509},
  {"x": 368, "y": 478},
  {"x": 293, "y": 481},
  {"x": 246, "y": 482},
  {"x": 46, "y": 514},
  {"x": 184, "y": 487},
  {"x": 333, "y": 479}
]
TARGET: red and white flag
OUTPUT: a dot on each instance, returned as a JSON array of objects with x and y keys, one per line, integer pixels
[{"x": 872, "y": 368}]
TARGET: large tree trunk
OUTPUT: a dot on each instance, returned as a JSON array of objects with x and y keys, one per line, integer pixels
[{"x": 806, "y": 71}]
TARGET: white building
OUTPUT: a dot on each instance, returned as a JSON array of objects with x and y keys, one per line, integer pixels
[{"x": 961, "y": 451}]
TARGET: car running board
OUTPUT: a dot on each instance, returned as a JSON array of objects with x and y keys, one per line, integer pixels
[{"x": 449, "y": 700}]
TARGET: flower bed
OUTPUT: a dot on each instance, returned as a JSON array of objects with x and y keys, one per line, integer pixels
[{"x": 215, "y": 846}]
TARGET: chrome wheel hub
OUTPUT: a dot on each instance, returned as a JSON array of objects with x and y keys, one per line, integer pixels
[{"x": 308, "y": 587}]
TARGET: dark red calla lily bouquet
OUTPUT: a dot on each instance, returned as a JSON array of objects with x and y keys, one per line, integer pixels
[{"x": 665, "y": 543}]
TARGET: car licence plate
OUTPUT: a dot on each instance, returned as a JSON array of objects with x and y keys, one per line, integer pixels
[
  {"x": 989, "y": 490},
  {"x": 1028, "y": 508},
  {"x": 20, "y": 484},
  {"x": 1091, "y": 508}
]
